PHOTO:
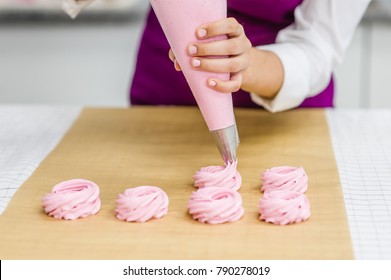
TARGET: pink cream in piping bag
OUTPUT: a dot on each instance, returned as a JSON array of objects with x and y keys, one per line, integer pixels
[{"x": 179, "y": 20}]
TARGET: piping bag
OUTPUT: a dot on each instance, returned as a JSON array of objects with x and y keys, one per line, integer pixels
[{"x": 179, "y": 20}]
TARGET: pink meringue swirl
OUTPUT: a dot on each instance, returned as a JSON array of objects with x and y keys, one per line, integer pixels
[
  {"x": 285, "y": 178},
  {"x": 141, "y": 204},
  {"x": 284, "y": 207},
  {"x": 72, "y": 199},
  {"x": 218, "y": 176},
  {"x": 215, "y": 205}
]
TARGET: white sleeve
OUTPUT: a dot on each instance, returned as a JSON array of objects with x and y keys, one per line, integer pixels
[
  {"x": 73, "y": 7},
  {"x": 311, "y": 47}
]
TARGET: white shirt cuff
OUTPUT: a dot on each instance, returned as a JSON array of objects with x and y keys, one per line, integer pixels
[
  {"x": 73, "y": 7},
  {"x": 295, "y": 84}
]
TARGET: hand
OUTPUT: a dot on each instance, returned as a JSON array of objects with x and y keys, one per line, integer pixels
[
  {"x": 253, "y": 70},
  {"x": 234, "y": 53}
]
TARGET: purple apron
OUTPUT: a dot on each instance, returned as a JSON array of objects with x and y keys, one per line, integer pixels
[{"x": 156, "y": 82}]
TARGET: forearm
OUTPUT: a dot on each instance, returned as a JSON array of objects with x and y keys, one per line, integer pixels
[
  {"x": 308, "y": 51},
  {"x": 265, "y": 74}
]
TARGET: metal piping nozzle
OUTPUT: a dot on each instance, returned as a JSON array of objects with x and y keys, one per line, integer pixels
[{"x": 227, "y": 140}]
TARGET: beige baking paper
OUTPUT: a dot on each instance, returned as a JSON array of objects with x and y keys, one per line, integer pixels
[{"x": 124, "y": 148}]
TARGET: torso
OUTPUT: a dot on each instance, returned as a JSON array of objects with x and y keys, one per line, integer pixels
[{"x": 156, "y": 82}]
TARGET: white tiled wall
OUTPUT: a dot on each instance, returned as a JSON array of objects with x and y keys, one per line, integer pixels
[
  {"x": 70, "y": 62},
  {"x": 78, "y": 64},
  {"x": 52, "y": 6},
  {"x": 380, "y": 66},
  {"x": 348, "y": 75},
  {"x": 364, "y": 77}
]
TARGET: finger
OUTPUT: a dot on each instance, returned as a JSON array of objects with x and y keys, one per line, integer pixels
[
  {"x": 171, "y": 55},
  {"x": 173, "y": 59},
  {"x": 177, "y": 66},
  {"x": 233, "y": 46},
  {"x": 232, "y": 64},
  {"x": 229, "y": 86},
  {"x": 228, "y": 26}
]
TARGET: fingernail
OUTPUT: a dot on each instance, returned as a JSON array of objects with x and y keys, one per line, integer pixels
[
  {"x": 212, "y": 83},
  {"x": 202, "y": 32},
  {"x": 192, "y": 50},
  {"x": 196, "y": 62}
]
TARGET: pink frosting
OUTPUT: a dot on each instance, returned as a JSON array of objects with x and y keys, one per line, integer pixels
[
  {"x": 141, "y": 204},
  {"x": 218, "y": 176},
  {"x": 215, "y": 205},
  {"x": 284, "y": 207},
  {"x": 72, "y": 199},
  {"x": 285, "y": 178}
]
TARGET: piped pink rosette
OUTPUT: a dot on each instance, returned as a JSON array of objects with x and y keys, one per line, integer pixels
[
  {"x": 216, "y": 201},
  {"x": 141, "y": 204},
  {"x": 218, "y": 176},
  {"x": 72, "y": 199},
  {"x": 284, "y": 201},
  {"x": 286, "y": 178},
  {"x": 215, "y": 205},
  {"x": 284, "y": 207}
]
